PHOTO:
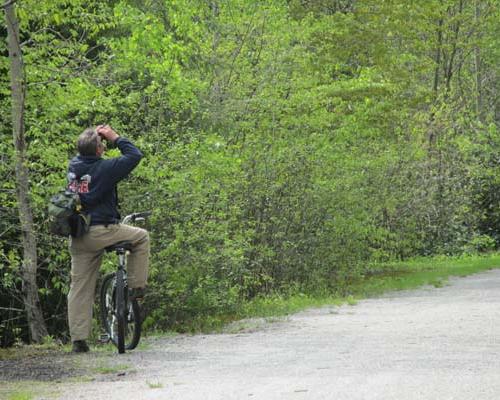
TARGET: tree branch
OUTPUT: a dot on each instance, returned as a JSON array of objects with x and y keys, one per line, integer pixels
[
  {"x": 8, "y": 3},
  {"x": 11, "y": 309}
]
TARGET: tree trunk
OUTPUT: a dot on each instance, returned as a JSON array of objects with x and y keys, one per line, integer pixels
[
  {"x": 438, "y": 57},
  {"x": 477, "y": 62},
  {"x": 36, "y": 323},
  {"x": 449, "y": 66},
  {"x": 435, "y": 86}
]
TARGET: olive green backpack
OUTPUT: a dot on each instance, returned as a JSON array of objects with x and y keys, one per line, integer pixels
[{"x": 66, "y": 216}]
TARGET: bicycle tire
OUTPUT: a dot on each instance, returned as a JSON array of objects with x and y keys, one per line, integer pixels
[
  {"x": 107, "y": 304},
  {"x": 109, "y": 316},
  {"x": 134, "y": 324},
  {"x": 120, "y": 310}
]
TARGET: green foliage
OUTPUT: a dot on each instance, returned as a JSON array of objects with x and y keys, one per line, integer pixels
[
  {"x": 480, "y": 244},
  {"x": 290, "y": 146}
]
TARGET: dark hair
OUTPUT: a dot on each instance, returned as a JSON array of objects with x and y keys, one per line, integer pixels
[{"x": 87, "y": 142}]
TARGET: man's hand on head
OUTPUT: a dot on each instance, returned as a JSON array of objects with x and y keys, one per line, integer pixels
[{"x": 106, "y": 132}]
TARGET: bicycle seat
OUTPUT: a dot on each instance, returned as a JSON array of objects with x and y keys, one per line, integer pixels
[{"x": 125, "y": 245}]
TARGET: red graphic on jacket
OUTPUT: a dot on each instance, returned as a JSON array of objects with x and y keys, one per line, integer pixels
[{"x": 80, "y": 186}]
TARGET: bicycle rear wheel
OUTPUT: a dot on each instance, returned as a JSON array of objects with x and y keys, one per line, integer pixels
[{"x": 122, "y": 324}]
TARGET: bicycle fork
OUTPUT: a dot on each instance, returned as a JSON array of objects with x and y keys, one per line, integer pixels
[{"x": 121, "y": 308}]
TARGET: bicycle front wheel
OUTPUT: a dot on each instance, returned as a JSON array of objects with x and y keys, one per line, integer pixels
[{"x": 122, "y": 324}]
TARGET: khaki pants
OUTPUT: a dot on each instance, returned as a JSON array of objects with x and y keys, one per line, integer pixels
[{"x": 86, "y": 255}]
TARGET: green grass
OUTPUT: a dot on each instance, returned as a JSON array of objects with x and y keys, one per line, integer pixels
[
  {"x": 20, "y": 396},
  {"x": 376, "y": 280},
  {"x": 420, "y": 272},
  {"x": 154, "y": 385},
  {"x": 379, "y": 279},
  {"x": 111, "y": 369},
  {"x": 24, "y": 390},
  {"x": 35, "y": 350}
]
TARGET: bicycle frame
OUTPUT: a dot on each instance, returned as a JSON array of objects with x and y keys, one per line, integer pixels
[{"x": 121, "y": 309}]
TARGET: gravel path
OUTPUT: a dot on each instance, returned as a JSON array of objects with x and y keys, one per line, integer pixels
[{"x": 431, "y": 343}]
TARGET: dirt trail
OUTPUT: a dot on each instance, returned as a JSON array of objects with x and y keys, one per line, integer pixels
[{"x": 432, "y": 343}]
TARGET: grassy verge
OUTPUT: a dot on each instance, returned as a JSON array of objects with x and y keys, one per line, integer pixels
[
  {"x": 419, "y": 272},
  {"x": 29, "y": 372},
  {"x": 20, "y": 395},
  {"x": 27, "y": 390},
  {"x": 381, "y": 279}
]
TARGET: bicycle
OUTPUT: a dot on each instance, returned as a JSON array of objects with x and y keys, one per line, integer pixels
[{"x": 121, "y": 315}]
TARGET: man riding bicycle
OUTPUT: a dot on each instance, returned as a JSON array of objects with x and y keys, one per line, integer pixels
[{"x": 97, "y": 180}]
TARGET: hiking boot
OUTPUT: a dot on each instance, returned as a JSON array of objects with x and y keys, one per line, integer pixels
[
  {"x": 136, "y": 293},
  {"x": 80, "y": 346}
]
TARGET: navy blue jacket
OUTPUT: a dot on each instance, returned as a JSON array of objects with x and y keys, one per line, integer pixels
[{"x": 95, "y": 179}]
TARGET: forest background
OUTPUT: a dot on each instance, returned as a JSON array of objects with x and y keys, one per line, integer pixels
[{"x": 291, "y": 146}]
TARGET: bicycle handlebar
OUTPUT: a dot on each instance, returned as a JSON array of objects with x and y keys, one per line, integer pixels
[{"x": 140, "y": 216}]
